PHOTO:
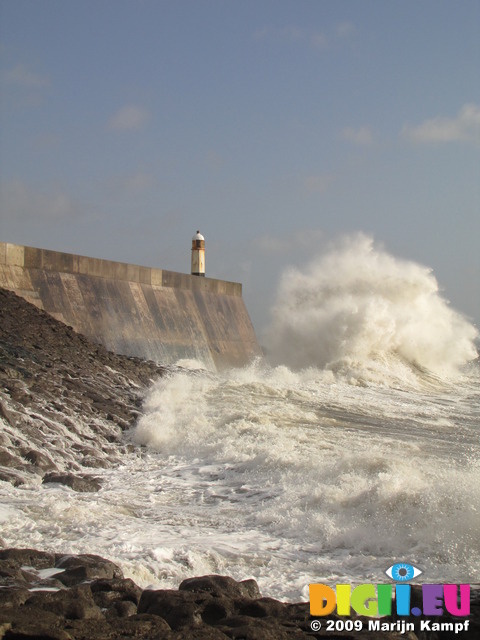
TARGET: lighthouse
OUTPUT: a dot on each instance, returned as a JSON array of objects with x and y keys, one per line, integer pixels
[{"x": 198, "y": 255}]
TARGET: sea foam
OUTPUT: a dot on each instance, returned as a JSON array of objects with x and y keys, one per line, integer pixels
[{"x": 358, "y": 309}]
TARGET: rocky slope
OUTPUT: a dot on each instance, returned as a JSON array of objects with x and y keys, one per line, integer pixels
[{"x": 64, "y": 400}]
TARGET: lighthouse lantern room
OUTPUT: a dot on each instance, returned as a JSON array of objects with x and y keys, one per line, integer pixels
[{"x": 198, "y": 255}]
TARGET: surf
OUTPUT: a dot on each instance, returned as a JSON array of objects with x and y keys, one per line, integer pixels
[{"x": 362, "y": 313}]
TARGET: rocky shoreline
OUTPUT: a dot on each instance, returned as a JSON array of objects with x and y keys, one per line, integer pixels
[
  {"x": 65, "y": 404},
  {"x": 50, "y": 596}
]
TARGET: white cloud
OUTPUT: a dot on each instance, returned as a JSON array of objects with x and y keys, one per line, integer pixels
[
  {"x": 314, "y": 38},
  {"x": 139, "y": 181},
  {"x": 214, "y": 160},
  {"x": 46, "y": 141},
  {"x": 133, "y": 183},
  {"x": 362, "y": 136},
  {"x": 318, "y": 40},
  {"x": 293, "y": 34},
  {"x": 18, "y": 200},
  {"x": 464, "y": 127},
  {"x": 130, "y": 117},
  {"x": 22, "y": 76},
  {"x": 270, "y": 244},
  {"x": 304, "y": 239},
  {"x": 307, "y": 238},
  {"x": 345, "y": 29},
  {"x": 317, "y": 184}
]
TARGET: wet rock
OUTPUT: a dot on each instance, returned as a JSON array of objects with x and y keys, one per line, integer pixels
[
  {"x": 178, "y": 609},
  {"x": 83, "y": 483},
  {"x": 262, "y": 608},
  {"x": 217, "y": 610},
  {"x": 8, "y": 459},
  {"x": 221, "y": 586},
  {"x": 76, "y": 603},
  {"x": 29, "y": 623},
  {"x": 95, "y": 602},
  {"x": 52, "y": 378},
  {"x": 244, "y": 628},
  {"x": 13, "y": 597},
  {"x": 124, "y": 608},
  {"x": 9, "y": 417},
  {"x": 79, "y": 568},
  {"x": 15, "y": 478},
  {"x": 17, "y": 558},
  {"x": 39, "y": 459},
  {"x": 110, "y": 592}
]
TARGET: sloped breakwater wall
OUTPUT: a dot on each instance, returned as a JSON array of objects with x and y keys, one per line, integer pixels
[{"x": 132, "y": 310}]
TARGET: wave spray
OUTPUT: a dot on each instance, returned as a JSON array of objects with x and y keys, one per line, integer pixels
[{"x": 357, "y": 305}]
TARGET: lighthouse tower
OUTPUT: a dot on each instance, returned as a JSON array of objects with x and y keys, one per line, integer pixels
[{"x": 198, "y": 255}]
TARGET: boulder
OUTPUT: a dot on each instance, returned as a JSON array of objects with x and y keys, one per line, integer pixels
[
  {"x": 82, "y": 483},
  {"x": 221, "y": 586}
]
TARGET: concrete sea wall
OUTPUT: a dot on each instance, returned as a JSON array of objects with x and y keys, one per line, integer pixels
[{"x": 133, "y": 310}]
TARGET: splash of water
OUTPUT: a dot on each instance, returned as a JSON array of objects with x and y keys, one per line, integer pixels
[
  {"x": 357, "y": 305},
  {"x": 327, "y": 478}
]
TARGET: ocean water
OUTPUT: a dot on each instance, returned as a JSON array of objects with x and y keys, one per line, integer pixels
[{"x": 354, "y": 445}]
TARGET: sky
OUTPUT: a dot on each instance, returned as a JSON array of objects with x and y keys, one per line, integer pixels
[{"x": 275, "y": 127}]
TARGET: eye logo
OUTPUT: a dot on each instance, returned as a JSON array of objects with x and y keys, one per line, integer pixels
[{"x": 402, "y": 572}]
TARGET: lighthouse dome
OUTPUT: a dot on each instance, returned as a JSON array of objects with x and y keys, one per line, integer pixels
[{"x": 198, "y": 236}]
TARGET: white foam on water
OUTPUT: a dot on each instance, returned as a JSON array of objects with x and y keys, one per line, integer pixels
[
  {"x": 287, "y": 477},
  {"x": 331, "y": 474},
  {"x": 362, "y": 312},
  {"x": 358, "y": 450}
]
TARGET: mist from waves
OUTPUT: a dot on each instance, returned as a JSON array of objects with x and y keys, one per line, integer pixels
[
  {"x": 363, "y": 313},
  {"x": 354, "y": 445},
  {"x": 309, "y": 478}
]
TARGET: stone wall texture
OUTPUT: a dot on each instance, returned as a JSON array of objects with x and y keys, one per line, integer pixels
[{"x": 132, "y": 310}]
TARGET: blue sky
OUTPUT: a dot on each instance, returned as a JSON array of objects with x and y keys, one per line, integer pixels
[{"x": 274, "y": 127}]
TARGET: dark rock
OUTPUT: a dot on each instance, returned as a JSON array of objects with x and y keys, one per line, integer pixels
[
  {"x": 116, "y": 589},
  {"x": 245, "y": 628},
  {"x": 95, "y": 462},
  {"x": 216, "y": 610},
  {"x": 7, "y": 415},
  {"x": 15, "y": 478},
  {"x": 76, "y": 603},
  {"x": 262, "y": 608},
  {"x": 8, "y": 459},
  {"x": 138, "y": 626},
  {"x": 86, "y": 567},
  {"x": 4, "y": 627},
  {"x": 117, "y": 598},
  {"x": 102, "y": 605},
  {"x": 125, "y": 608},
  {"x": 51, "y": 376},
  {"x": 39, "y": 459},
  {"x": 203, "y": 632},
  {"x": 9, "y": 575},
  {"x": 221, "y": 586},
  {"x": 83, "y": 483},
  {"x": 177, "y": 608},
  {"x": 13, "y": 597},
  {"x": 27, "y": 558},
  {"x": 33, "y": 624}
]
